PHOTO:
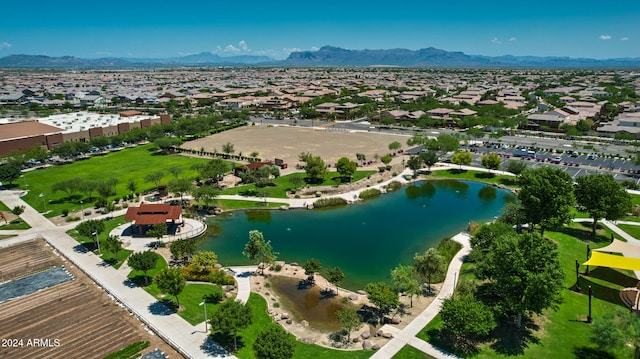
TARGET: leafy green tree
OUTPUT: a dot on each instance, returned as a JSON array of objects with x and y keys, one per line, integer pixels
[
  {"x": 386, "y": 159},
  {"x": 88, "y": 188},
  {"x": 229, "y": 318},
  {"x": 171, "y": 281},
  {"x": 394, "y": 146},
  {"x": 274, "y": 343},
  {"x": 415, "y": 163},
  {"x": 311, "y": 267},
  {"x": 259, "y": 250},
  {"x": 335, "y": 276},
  {"x": 462, "y": 158},
  {"x": 429, "y": 158},
  {"x": 157, "y": 230},
  {"x": 69, "y": 186},
  {"x": 448, "y": 143},
  {"x": 106, "y": 187},
  {"x": 465, "y": 320},
  {"x": 166, "y": 143},
  {"x": 228, "y": 148},
  {"x": 206, "y": 259},
  {"x": 602, "y": 197},
  {"x": 349, "y": 320},
  {"x": 491, "y": 161},
  {"x": 112, "y": 244},
  {"x": 143, "y": 261},
  {"x": 175, "y": 171},
  {"x": 182, "y": 247},
  {"x": 615, "y": 329},
  {"x": 523, "y": 274},
  {"x": 181, "y": 186},
  {"x": 515, "y": 167},
  {"x": 383, "y": 297},
  {"x": 547, "y": 197},
  {"x": 89, "y": 227},
  {"x": 404, "y": 280},
  {"x": 345, "y": 167},
  {"x": 429, "y": 264},
  {"x": 213, "y": 170},
  {"x": 315, "y": 169},
  {"x": 205, "y": 194},
  {"x": 9, "y": 172},
  {"x": 154, "y": 177}
]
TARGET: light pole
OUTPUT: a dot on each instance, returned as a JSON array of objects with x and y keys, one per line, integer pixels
[
  {"x": 97, "y": 241},
  {"x": 43, "y": 202},
  {"x": 204, "y": 304},
  {"x": 25, "y": 181},
  {"x": 82, "y": 209}
]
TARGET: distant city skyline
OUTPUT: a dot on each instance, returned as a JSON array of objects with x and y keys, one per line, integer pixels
[{"x": 134, "y": 29}]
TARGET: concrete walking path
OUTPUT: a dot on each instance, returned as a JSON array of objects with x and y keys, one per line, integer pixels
[
  {"x": 408, "y": 334},
  {"x": 191, "y": 341}
]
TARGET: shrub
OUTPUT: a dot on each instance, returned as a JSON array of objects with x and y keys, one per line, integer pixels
[
  {"x": 382, "y": 169},
  {"x": 629, "y": 184},
  {"x": 393, "y": 186},
  {"x": 370, "y": 193},
  {"x": 65, "y": 212},
  {"x": 101, "y": 202},
  {"x": 329, "y": 202},
  {"x": 276, "y": 305},
  {"x": 130, "y": 351},
  {"x": 216, "y": 297},
  {"x": 72, "y": 219},
  {"x": 17, "y": 210},
  {"x": 448, "y": 248},
  {"x": 218, "y": 276},
  {"x": 276, "y": 267}
]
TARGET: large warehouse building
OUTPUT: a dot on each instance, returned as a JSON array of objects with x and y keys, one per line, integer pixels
[{"x": 54, "y": 130}]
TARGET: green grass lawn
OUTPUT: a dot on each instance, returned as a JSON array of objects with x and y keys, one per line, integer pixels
[
  {"x": 480, "y": 176},
  {"x": 563, "y": 333},
  {"x": 3, "y": 207},
  {"x": 632, "y": 230},
  {"x": 262, "y": 320},
  {"x": 114, "y": 259},
  {"x": 190, "y": 300},
  {"x": 17, "y": 223},
  {"x": 231, "y": 204},
  {"x": 409, "y": 352},
  {"x": 137, "y": 276},
  {"x": 283, "y": 184},
  {"x": 129, "y": 163}
]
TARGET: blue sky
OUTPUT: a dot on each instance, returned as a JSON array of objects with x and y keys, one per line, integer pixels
[{"x": 595, "y": 29}]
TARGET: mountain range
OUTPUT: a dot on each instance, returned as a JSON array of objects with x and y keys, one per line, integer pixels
[{"x": 327, "y": 56}]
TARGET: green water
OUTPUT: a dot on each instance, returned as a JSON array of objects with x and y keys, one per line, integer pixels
[{"x": 365, "y": 240}]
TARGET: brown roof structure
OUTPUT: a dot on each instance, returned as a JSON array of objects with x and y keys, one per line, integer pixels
[
  {"x": 25, "y": 129},
  {"x": 150, "y": 214}
]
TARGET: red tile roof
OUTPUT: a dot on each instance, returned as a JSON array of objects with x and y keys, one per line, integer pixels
[{"x": 149, "y": 214}]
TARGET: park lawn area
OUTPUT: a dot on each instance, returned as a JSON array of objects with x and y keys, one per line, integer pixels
[
  {"x": 17, "y": 223},
  {"x": 635, "y": 200},
  {"x": 409, "y": 352},
  {"x": 191, "y": 297},
  {"x": 261, "y": 320},
  {"x": 478, "y": 176},
  {"x": 631, "y": 229},
  {"x": 137, "y": 276},
  {"x": 231, "y": 204},
  {"x": 136, "y": 163},
  {"x": 563, "y": 333},
  {"x": 283, "y": 183},
  {"x": 3, "y": 207},
  {"x": 115, "y": 260}
]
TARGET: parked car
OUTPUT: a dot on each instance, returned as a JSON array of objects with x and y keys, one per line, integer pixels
[
  {"x": 556, "y": 160},
  {"x": 591, "y": 156}
]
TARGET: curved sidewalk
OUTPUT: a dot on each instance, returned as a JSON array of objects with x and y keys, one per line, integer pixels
[
  {"x": 408, "y": 334},
  {"x": 191, "y": 341}
]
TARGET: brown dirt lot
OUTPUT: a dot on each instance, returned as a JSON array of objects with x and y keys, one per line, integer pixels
[
  {"x": 288, "y": 142},
  {"x": 82, "y": 318}
]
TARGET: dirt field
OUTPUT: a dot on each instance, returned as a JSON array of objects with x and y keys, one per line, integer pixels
[
  {"x": 75, "y": 319},
  {"x": 288, "y": 142}
]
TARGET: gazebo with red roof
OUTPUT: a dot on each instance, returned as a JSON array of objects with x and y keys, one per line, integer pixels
[{"x": 148, "y": 214}]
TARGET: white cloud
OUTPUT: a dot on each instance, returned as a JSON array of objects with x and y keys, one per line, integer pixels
[
  {"x": 605, "y": 37},
  {"x": 495, "y": 40},
  {"x": 624, "y": 38},
  {"x": 512, "y": 39},
  {"x": 314, "y": 48},
  {"x": 232, "y": 49},
  {"x": 5, "y": 45},
  {"x": 243, "y": 46}
]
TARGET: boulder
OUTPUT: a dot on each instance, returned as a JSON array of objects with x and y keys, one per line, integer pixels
[
  {"x": 387, "y": 335},
  {"x": 304, "y": 323},
  {"x": 396, "y": 320},
  {"x": 308, "y": 340},
  {"x": 366, "y": 345},
  {"x": 353, "y": 297},
  {"x": 375, "y": 347},
  {"x": 379, "y": 333},
  {"x": 361, "y": 292},
  {"x": 293, "y": 264},
  {"x": 217, "y": 266},
  {"x": 284, "y": 316},
  {"x": 289, "y": 321},
  {"x": 228, "y": 288},
  {"x": 365, "y": 335}
]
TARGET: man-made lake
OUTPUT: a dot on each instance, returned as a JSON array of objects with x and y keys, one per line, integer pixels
[{"x": 365, "y": 240}]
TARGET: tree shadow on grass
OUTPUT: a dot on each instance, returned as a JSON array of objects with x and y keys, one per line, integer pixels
[
  {"x": 613, "y": 276},
  {"x": 327, "y": 294},
  {"x": 212, "y": 348},
  {"x": 456, "y": 171},
  {"x": 599, "y": 291},
  {"x": 591, "y": 353},
  {"x": 226, "y": 341},
  {"x": 513, "y": 341},
  {"x": 583, "y": 233},
  {"x": 484, "y": 175}
]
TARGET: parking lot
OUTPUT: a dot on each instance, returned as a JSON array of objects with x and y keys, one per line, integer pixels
[{"x": 574, "y": 164}]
